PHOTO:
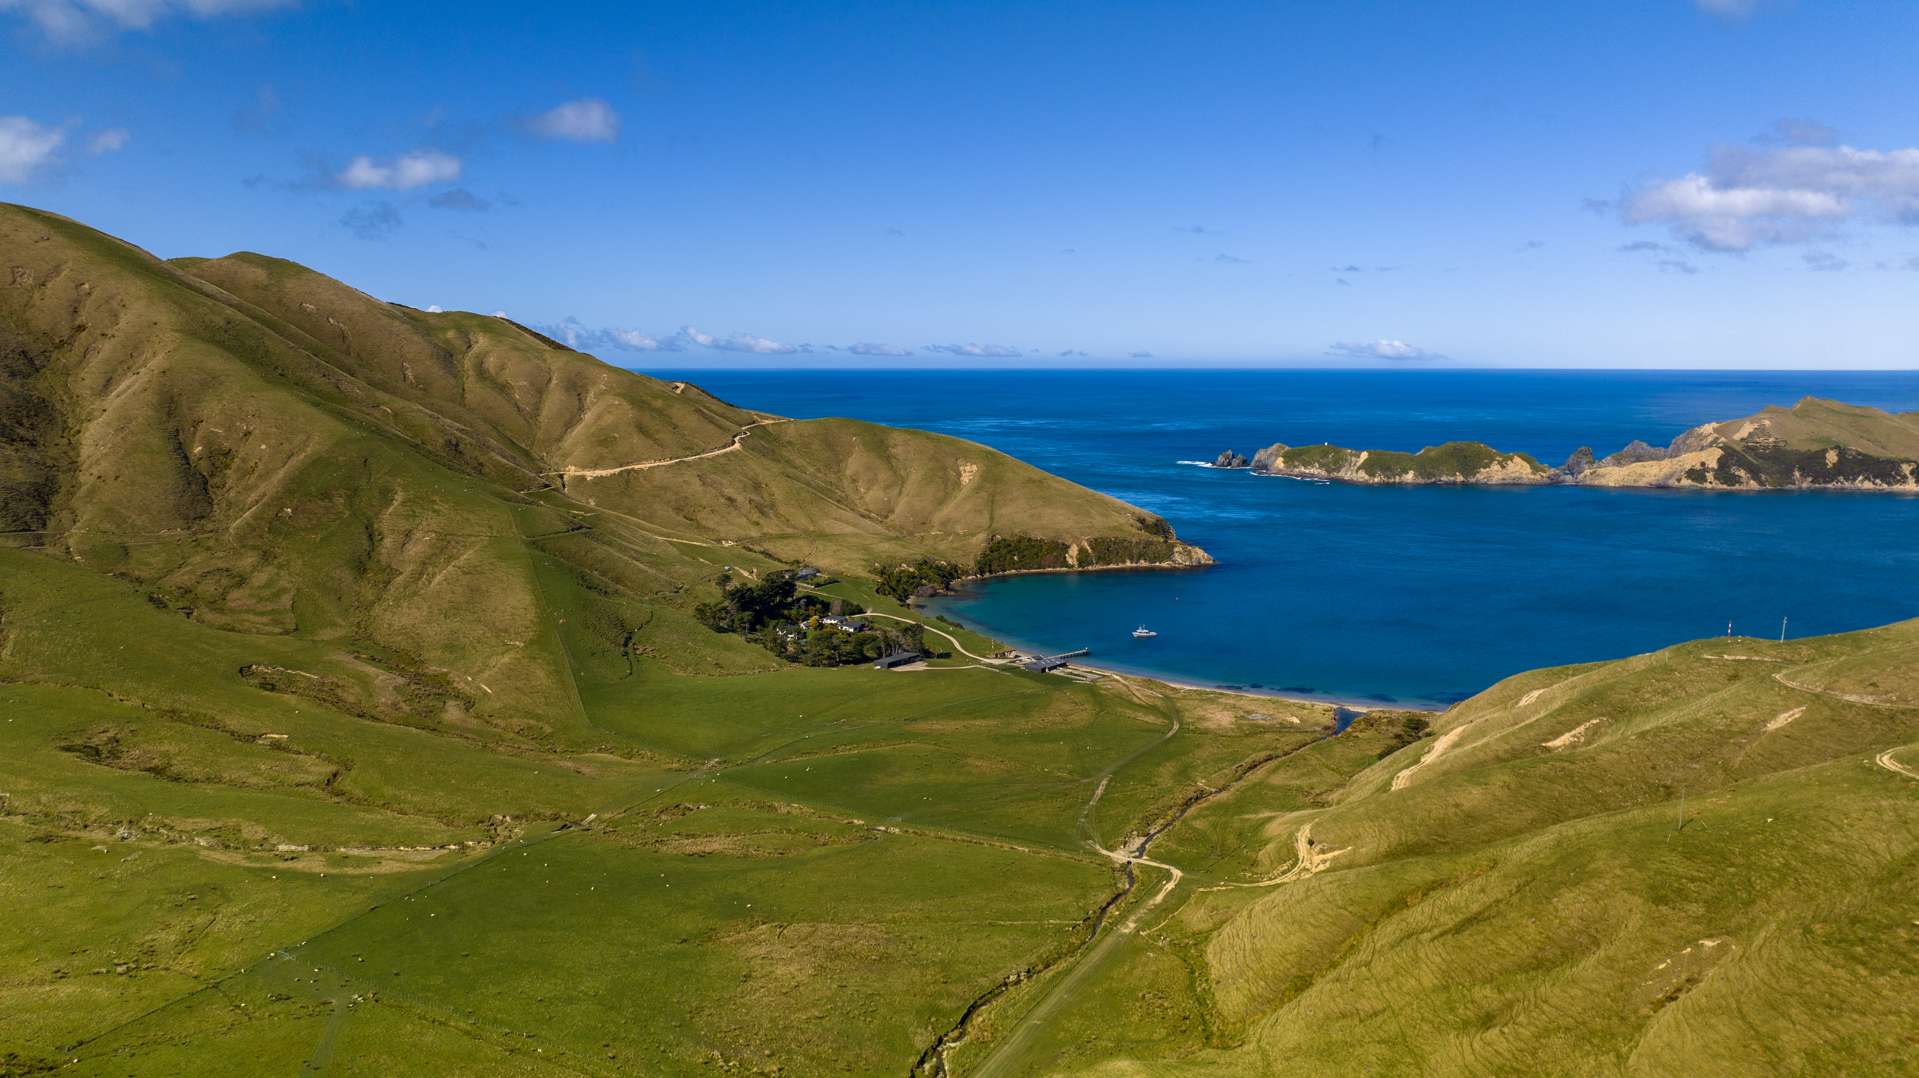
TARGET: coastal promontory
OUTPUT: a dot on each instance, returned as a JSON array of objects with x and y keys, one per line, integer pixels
[{"x": 1815, "y": 444}]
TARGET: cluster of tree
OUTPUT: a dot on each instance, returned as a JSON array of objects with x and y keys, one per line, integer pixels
[
  {"x": 1124, "y": 549},
  {"x": 1410, "y": 729},
  {"x": 925, "y": 576},
  {"x": 1013, "y": 553},
  {"x": 1017, "y": 553},
  {"x": 774, "y": 614},
  {"x": 834, "y": 647}
]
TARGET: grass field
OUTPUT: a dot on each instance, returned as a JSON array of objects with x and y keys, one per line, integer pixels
[
  {"x": 1701, "y": 861},
  {"x": 765, "y": 866}
]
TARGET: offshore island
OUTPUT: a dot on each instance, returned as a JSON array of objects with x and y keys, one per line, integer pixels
[{"x": 1815, "y": 444}]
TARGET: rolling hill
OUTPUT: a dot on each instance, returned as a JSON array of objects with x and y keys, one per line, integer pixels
[
  {"x": 270, "y": 450},
  {"x": 354, "y": 719},
  {"x": 1703, "y": 860}
]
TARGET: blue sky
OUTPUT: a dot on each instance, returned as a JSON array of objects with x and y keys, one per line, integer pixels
[{"x": 1662, "y": 183}]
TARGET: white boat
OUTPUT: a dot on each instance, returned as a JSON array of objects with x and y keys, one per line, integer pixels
[{"x": 1143, "y": 633}]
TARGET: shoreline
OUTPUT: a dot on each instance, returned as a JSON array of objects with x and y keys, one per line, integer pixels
[
  {"x": 1362, "y": 706},
  {"x": 1848, "y": 487},
  {"x": 1178, "y": 681},
  {"x": 1158, "y": 566},
  {"x": 1305, "y": 476}
]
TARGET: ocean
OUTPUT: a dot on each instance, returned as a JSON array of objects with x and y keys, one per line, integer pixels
[{"x": 1415, "y": 596}]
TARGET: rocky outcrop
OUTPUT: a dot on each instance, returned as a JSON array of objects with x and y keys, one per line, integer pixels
[
  {"x": 1636, "y": 452},
  {"x": 1579, "y": 463},
  {"x": 1815, "y": 444},
  {"x": 1231, "y": 459}
]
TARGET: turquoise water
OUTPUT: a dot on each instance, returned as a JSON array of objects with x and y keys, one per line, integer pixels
[{"x": 1416, "y": 595}]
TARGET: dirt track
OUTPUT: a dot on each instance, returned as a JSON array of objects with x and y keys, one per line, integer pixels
[
  {"x": 601, "y": 473},
  {"x": 1440, "y": 748},
  {"x": 949, "y": 637}
]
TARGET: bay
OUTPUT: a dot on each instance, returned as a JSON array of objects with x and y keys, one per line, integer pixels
[{"x": 1411, "y": 595}]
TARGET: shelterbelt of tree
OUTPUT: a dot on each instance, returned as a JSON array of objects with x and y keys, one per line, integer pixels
[
  {"x": 1815, "y": 444},
  {"x": 354, "y": 718}
]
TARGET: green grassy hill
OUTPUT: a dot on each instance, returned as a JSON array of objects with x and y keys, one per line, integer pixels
[
  {"x": 1700, "y": 861},
  {"x": 1817, "y": 424},
  {"x": 269, "y": 450},
  {"x": 316, "y": 612}
]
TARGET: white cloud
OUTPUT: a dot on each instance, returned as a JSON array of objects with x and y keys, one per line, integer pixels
[
  {"x": 416, "y": 169},
  {"x": 872, "y": 348},
  {"x": 434, "y": 308},
  {"x": 1383, "y": 348},
  {"x": 586, "y": 120},
  {"x": 738, "y": 342},
  {"x": 26, "y": 147},
  {"x": 112, "y": 140},
  {"x": 635, "y": 341},
  {"x": 991, "y": 351},
  {"x": 1791, "y": 194},
  {"x": 577, "y": 334},
  {"x": 72, "y": 22}
]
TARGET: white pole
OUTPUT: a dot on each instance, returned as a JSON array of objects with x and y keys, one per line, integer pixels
[{"x": 1782, "y": 630}]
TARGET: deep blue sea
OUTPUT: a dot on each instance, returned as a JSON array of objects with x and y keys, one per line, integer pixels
[{"x": 1412, "y": 595}]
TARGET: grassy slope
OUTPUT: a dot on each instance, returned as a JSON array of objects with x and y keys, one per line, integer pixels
[
  {"x": 1814, "y": 423},
  {"x": 736, "y": 854},
  {"x": 1532, "y": 900},
  {"x": 836, "y": 491},
  {"x": 300, "y": 655}
]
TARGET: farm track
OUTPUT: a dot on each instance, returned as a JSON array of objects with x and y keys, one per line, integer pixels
[
  {"x": 1886, "y": 761},
  {"x": 948, "y": 637},
  {"x": 1093, "y": 954},
  {"x": 602, "y": 473}
]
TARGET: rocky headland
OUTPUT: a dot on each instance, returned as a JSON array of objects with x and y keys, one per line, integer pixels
[{"x": 1815, "y": 444}]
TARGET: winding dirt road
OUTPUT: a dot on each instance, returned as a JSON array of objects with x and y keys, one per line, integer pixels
[
  {"x": 1884, "y": 759},
  {"x": 601, "y": 473},
  {"x": 958, "y": 648},
  {"x": 1309, "y": 860}
]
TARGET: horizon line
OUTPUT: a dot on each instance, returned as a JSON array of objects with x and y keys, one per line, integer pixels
[{"x": 1248, "y": 368}]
